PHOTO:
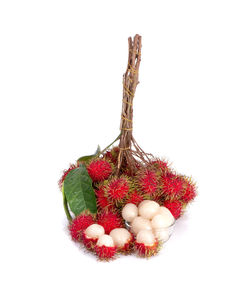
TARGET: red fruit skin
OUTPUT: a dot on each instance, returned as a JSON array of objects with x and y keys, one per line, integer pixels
[
  {"x": 112, "y": 155},
  {"x": 135, "y": 198},
  {"x": 65, "y": 173},
  {"x": 128, "y": 247},
  {"x": 109, "y": 221},
  {"x": 99, "y": 170},
  {"x": 175, "y": 207},
  {"x": 160, "y": 165},
  {"x": 117, "y": 189},
  {"x": 102, "y": 200},
  {"x": 78, "y": 225},
  {"x": 104, "y": 252},
  {"x": 147, "y": 181},
  {"x": 189, "y": 192},
  {"x": 147, "y": 251},
  {"x": 88, "y": 242},
  {"x": 171, "y": 185}
]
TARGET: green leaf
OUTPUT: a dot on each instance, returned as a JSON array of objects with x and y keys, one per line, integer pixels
[
  {"x": 79, "y": 191},
  {"x": 87, "y": 158}
]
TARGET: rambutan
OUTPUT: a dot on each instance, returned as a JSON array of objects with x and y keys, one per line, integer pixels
[
  {"x": 174, "y": 206},
  {"x": 79, "y": 224},
  {"x": 134, "y": 197},
  {"x": 105, "y": 248},
  {"x": 117, "y": 189},
  {"x": 158, "y": 164},
  {"x": 101, "y": 199},
  {"x": 65, "y": 173},
  {"x": 91, "y": 234},
  {"x": 146, "y": 244},
  {"x": 189, "y": 191},
  {"x": 123, "y": 240},
  {"x": 109, "y": 220},
  {"x": 171, "y": 185},
  {"x": 99, "y": 170},
  {"x": 112, "y": 155},
  {"x": 147, "y": 181}
]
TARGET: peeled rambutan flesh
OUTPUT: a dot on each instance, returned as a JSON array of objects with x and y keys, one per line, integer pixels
[
  {"x": 105, "y": 248},
  {"x": 79, "y": 224},
  {"x": 99, "y": 170},
  {"x": 109, "y": 220},
  {"x": 146, "y": 244},
  {"x": 117, "y": 189},
  {"x": 175, "y": 207},
  {"x": 123, "y": 239},
  {"x": 91, "y": 235}
]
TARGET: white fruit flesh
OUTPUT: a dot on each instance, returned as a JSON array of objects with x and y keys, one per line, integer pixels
[
  {"x": 140, "y": 223},
  {"x": 159, "y": 221},
  {"x": 165, "y": 212},
  {"x": 120, "y": 236},
  {"x": 149, "y": 209},
  {"x": 143, "y": 202},
  {"x": 162, "y": 234},
  {"x": 146, "y": 237},
  {"x": 105, "y": 240},
  {"x": 129, "y": 212},
  {"x": 94, "y": 231}
]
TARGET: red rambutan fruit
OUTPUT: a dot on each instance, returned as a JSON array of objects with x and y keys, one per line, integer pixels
[
  {"x": 91, "y": 234},
  {"x": 112, "y": 155},
  {"x": 134, "y": 197},
  {"x": 123, "y": 240},
  {"x": 189, "y": 191},
  {"x": 105, "y": 248},
  {"x": 101, "y": 199},
  {"x": 146, "y": 244},
  {"x": 65, "y": 173},
  {"x": 79, "y": 224},
  {"x": 161, "y": 165},
  {"x": 172, "y": 185},
  {"x": 117, "y": 189},
  {"x": 99, "y": 170},
  {"x": 175, "y": 207},
  {"x": 147, "y": 181},
  {"x": 109, "y": 220}
]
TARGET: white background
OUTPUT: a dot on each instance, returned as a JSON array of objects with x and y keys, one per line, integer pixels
[{"x": 61, "y": 66}]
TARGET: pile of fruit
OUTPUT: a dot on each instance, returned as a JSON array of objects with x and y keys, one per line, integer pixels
[
  {"x": 129, "y": 213},
  {"x": 123, "y": 199}
]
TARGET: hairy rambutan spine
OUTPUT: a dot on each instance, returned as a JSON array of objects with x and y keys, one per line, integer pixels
[
  {"x": 147, "y": 181},
  {"x": 99, "y": 169},
  {"x": 171, "y": 185},
  {"x": 189, "y": 190},
  {"x": 147, "y": 251},
  {"x": 88, "y": 242},
  {"x": 105, "y": 253},
  {"x": 134, "y": 197},
  {"x": 175, "y": 207},
  {"x": 79, "y": 224},
  {"x": 102, "y": 200},
  {"x": 109, "y": 220},
  {"x": 117, "y": 189}
]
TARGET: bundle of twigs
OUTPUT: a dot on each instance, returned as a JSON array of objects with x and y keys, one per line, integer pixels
[{"x": 129, "y": 151}]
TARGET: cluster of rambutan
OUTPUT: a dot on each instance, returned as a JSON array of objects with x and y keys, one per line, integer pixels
[{"x": 156, "y": 182}]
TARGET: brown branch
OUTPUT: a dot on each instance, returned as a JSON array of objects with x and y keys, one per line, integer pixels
[{"x": 130, "y": 81}]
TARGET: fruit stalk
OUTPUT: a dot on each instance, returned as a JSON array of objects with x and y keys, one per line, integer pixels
[{"x": 130, "y": 81}]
